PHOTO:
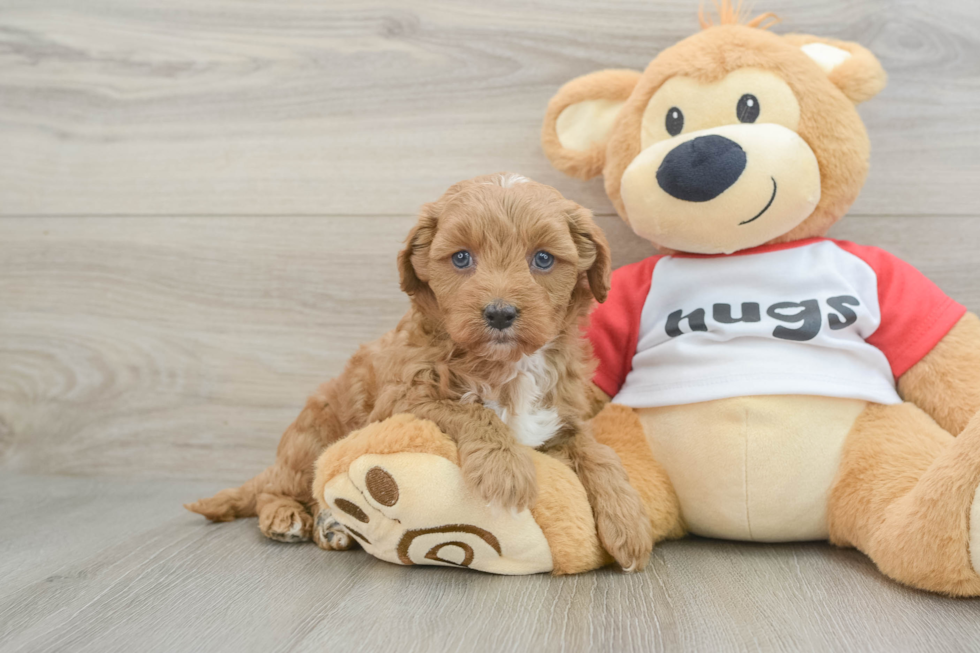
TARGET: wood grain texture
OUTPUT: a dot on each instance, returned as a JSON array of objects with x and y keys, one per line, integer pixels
[
  {"x": 182, "y": 348},
  {"x": 133, "y": 107},
  {"x": 143, "y": 344},
  {"x": 200, "y": 205},
  {"x": 120, "y": 566}
]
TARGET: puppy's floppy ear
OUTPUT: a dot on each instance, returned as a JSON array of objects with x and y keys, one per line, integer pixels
[
  {"x": 593, "y": 250},
  {"x": 413, "y": 261},
  {"x": 849, "y": 66},
  {"x": 579, "y": 118}
]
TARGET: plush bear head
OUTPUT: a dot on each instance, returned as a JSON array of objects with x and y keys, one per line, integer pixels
[{"x": 734, "y": 137}]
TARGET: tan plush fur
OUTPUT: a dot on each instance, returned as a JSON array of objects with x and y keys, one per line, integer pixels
[
  {"x": 906, "y": 486},
  {"x": 735, "y": 14},
  {"x": 860, "y": 78},
  {"x": 903, "y": 497},
  {"x": 946, "y": 383},
  {"x": 444, "y": 363},
  {"x": 605, "y": 85},
  {"x": 401, "y": 433},
  {"x": 829, "y": 122},
  {"x": 562, "y": 508}
]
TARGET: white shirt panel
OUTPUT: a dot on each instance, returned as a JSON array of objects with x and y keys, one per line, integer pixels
[{"x": 810, "y": 309}]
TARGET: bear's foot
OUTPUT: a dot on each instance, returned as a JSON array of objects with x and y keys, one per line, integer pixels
[
  {"x": 396, "y": 487},
  {"x": 908, "y": 495},
  {"x": 413, "y": 507}
]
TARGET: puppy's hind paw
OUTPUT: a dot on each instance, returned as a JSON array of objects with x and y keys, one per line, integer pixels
[
  {"x": 329, "y": 534},
  {"x": 285, "y": 522}
]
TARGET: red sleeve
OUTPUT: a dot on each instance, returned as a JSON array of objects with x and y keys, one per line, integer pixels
[
  {"x": 614, "y": 326},
  {"x": 915, "y": 313}
]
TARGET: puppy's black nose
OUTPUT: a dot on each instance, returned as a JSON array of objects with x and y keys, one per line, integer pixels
[
  {"x": 499, "y": 316},
  {"x": 702, "y": 168}
]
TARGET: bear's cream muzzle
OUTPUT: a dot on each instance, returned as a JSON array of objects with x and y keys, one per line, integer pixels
[{"x": 722, "y": 189}]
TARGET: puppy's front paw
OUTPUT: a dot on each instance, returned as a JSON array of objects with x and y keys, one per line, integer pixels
[
  {"x": 329, "y": 534},
  {"x": 503, "y": 476},
  {"x": 624, "y": 530}
]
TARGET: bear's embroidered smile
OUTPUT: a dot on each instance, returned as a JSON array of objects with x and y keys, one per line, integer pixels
[{"x": 766, "y": 207}]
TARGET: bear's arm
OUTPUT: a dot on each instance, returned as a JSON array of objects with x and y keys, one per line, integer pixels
[
  {"x": 931, "y": 342},
  {"x": 945, "y": 383}
]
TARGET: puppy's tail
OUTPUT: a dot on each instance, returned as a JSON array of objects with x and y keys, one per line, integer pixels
[{"x": 232, "y": 503}]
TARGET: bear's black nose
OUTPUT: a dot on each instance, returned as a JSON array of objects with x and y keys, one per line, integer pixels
[{"x": 702, "y": 168}]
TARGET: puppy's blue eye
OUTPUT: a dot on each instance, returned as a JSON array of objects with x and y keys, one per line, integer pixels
[
  {"x": 543, "y": 260},
  {"x": 462, "y": 260}
]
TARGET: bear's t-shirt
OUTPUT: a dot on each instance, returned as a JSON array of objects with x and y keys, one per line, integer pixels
[{"x": 811, "y": 317}]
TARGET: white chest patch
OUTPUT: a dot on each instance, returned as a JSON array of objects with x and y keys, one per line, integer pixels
[{"x": 533, "y": 424}]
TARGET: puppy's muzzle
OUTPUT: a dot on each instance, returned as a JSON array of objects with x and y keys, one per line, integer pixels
[{"x": 500, "y": 315}]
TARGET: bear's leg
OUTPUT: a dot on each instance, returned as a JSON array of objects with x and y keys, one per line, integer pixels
[
  {"x": 619, "y": 428},
  {"x": 904, "y": 495},
  {"x": 397, "y": 488}
]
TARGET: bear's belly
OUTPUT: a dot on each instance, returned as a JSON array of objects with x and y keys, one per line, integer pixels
[{"x": 753, "y": 468}]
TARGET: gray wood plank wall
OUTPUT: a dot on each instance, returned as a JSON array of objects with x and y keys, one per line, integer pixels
[{"x": 202, "y": 201}]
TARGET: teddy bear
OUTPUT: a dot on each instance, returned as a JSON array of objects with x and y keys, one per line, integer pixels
[
  {"x": 791, "y": 387},
  {"x": 759, "y": 381}
]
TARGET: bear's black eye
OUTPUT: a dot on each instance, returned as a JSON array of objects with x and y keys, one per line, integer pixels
[
  {"x": 674, "y": 122},
  {"x": 543, "y": 260},
  {"x": 462, "y": 260},
  {"x": 748, "y": 108}
]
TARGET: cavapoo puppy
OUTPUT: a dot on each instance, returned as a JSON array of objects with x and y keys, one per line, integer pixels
[{"x": 501, "y": 272}]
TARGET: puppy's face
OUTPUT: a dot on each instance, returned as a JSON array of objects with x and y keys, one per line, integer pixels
[{"x": 504, "y": 262}]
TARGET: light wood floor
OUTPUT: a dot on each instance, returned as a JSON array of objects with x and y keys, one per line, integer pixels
[{"x": 200, "y": 205}]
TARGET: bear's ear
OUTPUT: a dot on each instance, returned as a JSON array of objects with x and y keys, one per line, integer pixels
[
  {"x": 580, "y": 117},
  {"x": 850, "y": 67}
]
